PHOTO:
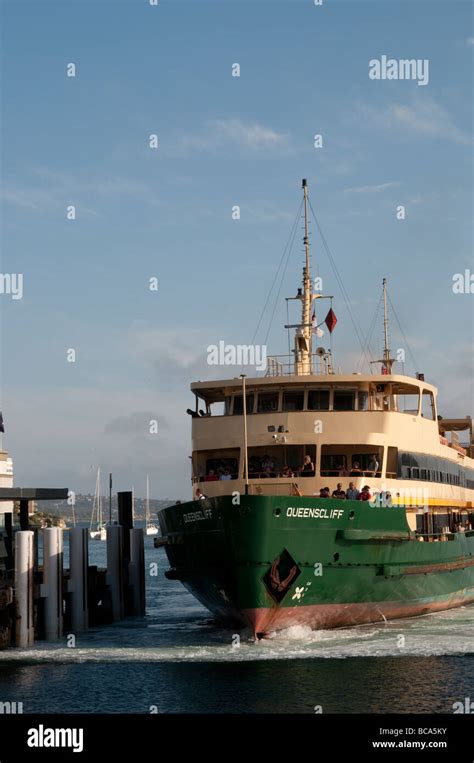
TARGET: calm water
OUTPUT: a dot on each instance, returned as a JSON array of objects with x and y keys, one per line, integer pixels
[{"x": 178, "y": 660}]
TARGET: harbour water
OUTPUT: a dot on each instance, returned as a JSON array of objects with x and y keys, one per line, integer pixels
[{"x": 178, "y": 660}]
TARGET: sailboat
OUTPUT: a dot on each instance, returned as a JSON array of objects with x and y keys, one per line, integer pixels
[
  {"x": 150, "y": 527},
  {"x": 97, "y": 530}
]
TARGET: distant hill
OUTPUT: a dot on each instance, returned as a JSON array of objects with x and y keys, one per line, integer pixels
[{"x": 84, "y": 503}]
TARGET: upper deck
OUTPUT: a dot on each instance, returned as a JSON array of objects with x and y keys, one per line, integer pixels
[{"x": 324, "y": 392}]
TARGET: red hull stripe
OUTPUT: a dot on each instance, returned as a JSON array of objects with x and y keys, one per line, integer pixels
[{"x": 321, "y": 616}]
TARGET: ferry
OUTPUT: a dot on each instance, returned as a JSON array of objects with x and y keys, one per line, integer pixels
[{"x": 322, "y": 498}]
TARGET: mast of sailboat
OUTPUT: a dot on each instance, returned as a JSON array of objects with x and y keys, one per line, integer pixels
[
  {"x": 147, "y": 508},
  {"x": 110, "y": 498},
  {"x": 303, "y": 363},
  {"x": 99, "y": 500}
]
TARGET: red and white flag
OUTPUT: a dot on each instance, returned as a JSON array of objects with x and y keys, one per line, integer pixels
[{"x": 315, "y": 328}]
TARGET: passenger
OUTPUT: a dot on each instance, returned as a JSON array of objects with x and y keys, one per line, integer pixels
[
  {"x": 268, "y": 464},
  {"x": 352, "y": 494},
  {"x": 467, "y": 526},
  {"x": 324, "y": 492},
  {"x": 254, "y": 468},
  {"x": 226, "y": 475},
  {"x": 356, "y": 470},
  {"x": 341, "y": 470},
  {"x": 286, "y": 471},
  {"x": 365, "y": 494},
  {"x": 200, "y": 495},
  {"x": 307, "y": 470},
  {"x": 211, "y": 476},
  {"x": 338, "y": 492},
  {"x": 373, "y": 466}
]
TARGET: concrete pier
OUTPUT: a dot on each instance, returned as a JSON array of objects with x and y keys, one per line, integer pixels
[
  {"x": 52, "y": 588},
  {"x": 77, "y": 587},
  {"x": 136, "y": 575},
  {"x": 35, "y": 596},
  {"x": 115, "y": 569},
  {"x": 23, "y": 582}
]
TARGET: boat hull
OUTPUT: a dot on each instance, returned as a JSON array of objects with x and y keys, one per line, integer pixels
[{"x": 271, "y": 562}]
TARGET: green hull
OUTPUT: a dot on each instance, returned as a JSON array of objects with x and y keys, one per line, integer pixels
[{"x": 273, "y": 562}]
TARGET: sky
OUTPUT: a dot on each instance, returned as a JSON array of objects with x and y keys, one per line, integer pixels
[{"x": 166, "y": 212}]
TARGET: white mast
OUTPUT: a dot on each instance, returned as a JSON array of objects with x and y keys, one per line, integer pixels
[
  {"x": 147, "y": 507},
  {"x": 99, "y": 498},
  {"x": 386, "y": 352}
]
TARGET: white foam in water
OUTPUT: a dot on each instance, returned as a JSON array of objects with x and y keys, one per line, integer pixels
[
  {"x": 449, "y": 632},
  {"x": 175, "y": 616}
]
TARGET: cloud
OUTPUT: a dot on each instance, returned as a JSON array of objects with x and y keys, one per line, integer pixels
[
  {"x": 71, "y": 189},
  {"x": 252, "y": 135},
  {"x": 470, "y": 41},
  {"x": 135, "y": 424},
  {"x": 423, "y": 117},
  {"x": 372, "y": 188},
  {"x": 232, "y": 133}
]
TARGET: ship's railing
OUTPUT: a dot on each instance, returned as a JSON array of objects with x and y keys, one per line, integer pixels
[
  {"x": 435, "y": 537},
  {"x": 367, "y": 474},
  {"x": 284, "y": 365},
  {"x": 273, "y": 488}
]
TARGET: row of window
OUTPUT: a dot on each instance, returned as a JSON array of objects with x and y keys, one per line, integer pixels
[
  {"x": 343, "y": 398},
  {"x": 418, "y": 466},
  {"x": 335, "y": 461}
]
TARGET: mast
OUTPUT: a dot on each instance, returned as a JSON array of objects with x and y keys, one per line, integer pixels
[
  {"x": 303, "y": 363},
  {"x": 99, "y": 500},
  {"x": 110, "y": 498},
  {"x": 147, "y": 507},
  {"x": 386, "y": 351},
  {"x": 387, "y": 360}
]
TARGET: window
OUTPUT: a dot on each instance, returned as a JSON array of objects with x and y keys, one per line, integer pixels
[
  {"x": 380, "y": 397},
  {"x": 407, "y": 399},
  {"x": 351, "y": 460},
  {"x": 238, "y": 407},
  {"x": 344, "y": 400},
  {"x": 217, "y": 464},
  {"x": 267, "y": 402},
  {"x": 270, "y": 461},
  {"x": 428, "y": 409},
  {"x": 392, "y": 462},
  {"x": 227, "y": 403},
  {"x": 363, "y": 400},
  {"x": 318, "y": 400},
  {"x": 293, "y": 401}
]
